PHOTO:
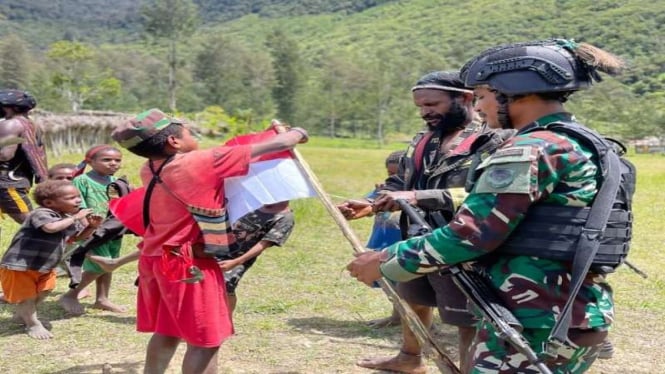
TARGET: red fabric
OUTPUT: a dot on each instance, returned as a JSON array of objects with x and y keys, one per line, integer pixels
[
  {"x": 198, "y": 179},
  {"x": 420, "y": 148},
  {"x": 129, "y": 210},
  {"x": 259, "y": 137},
  {"x": 196, "y": 313},
  {"x": 465, "y": 145}
]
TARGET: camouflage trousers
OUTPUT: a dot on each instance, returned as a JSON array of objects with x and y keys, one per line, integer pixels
[{"x": 491, "y": 354}]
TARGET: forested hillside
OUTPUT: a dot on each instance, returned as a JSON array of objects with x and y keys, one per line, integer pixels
[
  {"x": 341, "y": 68},
  {"x": 46, "y": 21}
]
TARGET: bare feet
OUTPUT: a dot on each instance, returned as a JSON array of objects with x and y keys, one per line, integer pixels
[
  {"x": 83, "y": 294},
  {"x": 108, "y": 305},
  {"x": 38, "y": 331},
  {"x": 107, "y": 264},
  {"x": 384, "y": 322},
  {"x": 402, "y": 363},
  {"x": 71, "y": 304}
]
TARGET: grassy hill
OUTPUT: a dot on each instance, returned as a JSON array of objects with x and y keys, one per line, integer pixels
[
  {"x": 358, "y": 57},
  {"x": 45, "y": 21},
  {"x": 451, "y": 32}
]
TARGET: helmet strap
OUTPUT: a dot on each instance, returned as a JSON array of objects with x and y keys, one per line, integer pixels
[{"x": 503, "y": 112}]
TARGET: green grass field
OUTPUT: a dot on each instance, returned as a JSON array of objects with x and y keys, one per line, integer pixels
[{"x": 300, "y": 312}]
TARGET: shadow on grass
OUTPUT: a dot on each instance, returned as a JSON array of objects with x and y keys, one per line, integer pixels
[
  {"x": 124, "y": 367},
  {"x": 50, "y": 311},
  {"x": 445, "y": 335},
  {"x": 339, "y": 328}
]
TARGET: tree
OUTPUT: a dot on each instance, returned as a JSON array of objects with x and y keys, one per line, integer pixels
[
  {"x": 170, "y": 21},
  {"x": 14, "y": 67},
  {"x": 76, "y": 78},
  {"x": 234, "y": 77},
  {"x": 286, "y": 64}
]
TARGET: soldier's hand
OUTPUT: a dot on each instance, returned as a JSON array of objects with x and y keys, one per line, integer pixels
[
  {"x": 365, "y": 267},
  {"x": 387, "y": 200},
  {"x": 354, "y": 209}
]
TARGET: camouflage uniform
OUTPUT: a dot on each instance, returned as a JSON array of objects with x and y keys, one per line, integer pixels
[
  {"x": 534, "y": 167},
  {"x": 251, "y": 229},
  {"x": 439, "y": 180}
]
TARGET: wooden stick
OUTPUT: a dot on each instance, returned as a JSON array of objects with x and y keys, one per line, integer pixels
[{"x": 428, "y": 344}]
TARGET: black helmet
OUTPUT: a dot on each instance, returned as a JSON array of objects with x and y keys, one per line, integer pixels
[
  {"x": 21, "y": 100},
  {"x": 532, "y": 67}
]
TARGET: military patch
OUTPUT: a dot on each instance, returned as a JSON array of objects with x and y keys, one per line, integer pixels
[
  {"x": 505, "y": 177},
  {"x": 514, "y": 153},
  {"x": 500, "y": 177}
]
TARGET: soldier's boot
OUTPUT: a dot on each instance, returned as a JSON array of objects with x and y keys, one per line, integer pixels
[{"x": 607, "y": 350}]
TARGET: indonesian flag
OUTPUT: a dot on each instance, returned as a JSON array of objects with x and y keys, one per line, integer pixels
[{"x": 272, "y": 178}]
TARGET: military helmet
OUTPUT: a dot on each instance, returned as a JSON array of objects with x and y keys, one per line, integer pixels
[
  {"x": 532, "y": 67},
  {"x": 21, "y": 100}
]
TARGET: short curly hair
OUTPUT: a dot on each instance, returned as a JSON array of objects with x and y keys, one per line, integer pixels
[{"x": 49, "y": 189}]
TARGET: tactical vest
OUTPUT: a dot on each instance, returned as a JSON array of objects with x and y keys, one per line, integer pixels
[
  {"x": 452, "y": 171},
  {"x": 553, "y": 231}
]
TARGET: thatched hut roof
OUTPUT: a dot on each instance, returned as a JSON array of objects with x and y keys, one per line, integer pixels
[{"x": 77, "y": 132}]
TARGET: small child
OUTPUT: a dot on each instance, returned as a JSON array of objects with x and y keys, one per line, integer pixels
[
  {"x": 62, "y": 171},
  {"x": 105, "y": 160},
  {"x": 256, "y": 231},
  {"x": 386, "y": 231},
  {"x": 27, "y": 269}
]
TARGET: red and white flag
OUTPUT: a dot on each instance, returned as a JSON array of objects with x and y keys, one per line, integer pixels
[{"x": 272, "y": 178}]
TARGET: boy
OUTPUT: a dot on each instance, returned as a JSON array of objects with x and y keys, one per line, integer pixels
[
  {"x": 181, "y": 290},
  {"x": 254, "y": 232},
  {"x": 62, "y": 171},
  {"x": 385, "y": 231},
  {"x": 27, "y": 270}
]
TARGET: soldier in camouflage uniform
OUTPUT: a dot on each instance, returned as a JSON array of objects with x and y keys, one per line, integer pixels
[
  {"x": 431, "y": 176},
  {"x": 255, "y": 232},
  {"x": 523, "y": 87}
]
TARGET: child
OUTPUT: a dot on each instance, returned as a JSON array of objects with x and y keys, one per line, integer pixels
[
  {"x": 181, "y": 290},
  {"x": 27, "y": 270},
  {"x": 105, "y": 161},
  {"x": 386, "y": 231},
  {"x": 62, "y": 171},
  {"x": 254, "y": 232}
]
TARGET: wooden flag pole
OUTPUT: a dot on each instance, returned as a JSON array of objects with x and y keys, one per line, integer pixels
[{"x": 429, "y": 345}]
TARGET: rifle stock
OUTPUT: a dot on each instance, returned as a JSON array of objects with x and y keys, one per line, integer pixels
[{"x": 476, "y": 289}]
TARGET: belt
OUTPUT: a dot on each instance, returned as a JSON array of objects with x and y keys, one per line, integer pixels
[{"x": 197, "y": 251}]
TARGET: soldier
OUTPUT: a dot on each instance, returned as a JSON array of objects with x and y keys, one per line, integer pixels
[
  {"x": 432, "y": 176},
  {"x": 521, "y": 86},
  {"x": 23, "y": 159}
]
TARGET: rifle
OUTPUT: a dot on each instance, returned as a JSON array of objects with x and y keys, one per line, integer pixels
[
  {"x": 476, "y": 289},
  {"x": 428, "y": 344}
]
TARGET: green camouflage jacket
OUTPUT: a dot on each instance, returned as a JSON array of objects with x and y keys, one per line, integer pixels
[{"x": 533, "y": 167}]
